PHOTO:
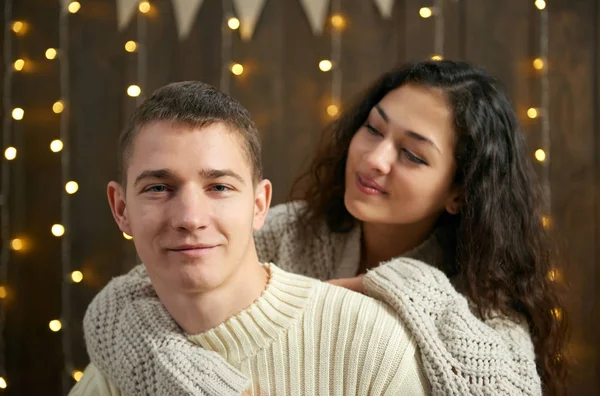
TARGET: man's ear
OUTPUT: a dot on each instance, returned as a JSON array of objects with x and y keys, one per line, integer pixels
[
  {"x": 262, "y": 202},
  {"x": 116, "y": 200}
]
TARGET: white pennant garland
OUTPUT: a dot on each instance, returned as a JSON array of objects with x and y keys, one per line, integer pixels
[
  {"x": 185, "y": 15},
  {"x": 385, "y": 7},
  {"x": 125, "y": 10},
  {"x": 316, "y": 12},
  {"x": 248, "y": 12}
]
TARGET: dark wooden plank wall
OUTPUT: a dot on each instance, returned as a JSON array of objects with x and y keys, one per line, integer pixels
[{"x": 287, "y": 95}]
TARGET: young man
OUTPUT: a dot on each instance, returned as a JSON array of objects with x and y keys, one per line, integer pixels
[{"x": 191, "y": 194}]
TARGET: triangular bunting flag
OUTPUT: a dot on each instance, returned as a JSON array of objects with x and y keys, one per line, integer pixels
[
  {"x": 125, "y": 10},
  {"x": 316, "y": 12},
  {"x": 385, "y": 7},
  {"x": 185, "y": 15},
  {"x": 248, "y": 12}
]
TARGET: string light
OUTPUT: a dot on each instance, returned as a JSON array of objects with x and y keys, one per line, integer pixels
[
  {"x": 58, "y": 230},
  {"x": 10, "y": 153},
  {"x": 71, "y": 187},
  {"x": 333, "y": 110},
  {"x": 51, "y": 53},
  {"x": 540, "y": 4},
  {"x": 17, "y": 26},
  {"x": 540, "y": 155},
  {"x": 532, "y": 113},
  {"x": 19, "y": 64},
  {"x": 554, "y": 275},
  {"x": 237, "y": 69},
  {"x": 538, "y": 63},
  {"x": 74, "y": 6},
  {"x": 325, "y": 65},
  {"x": 18, "y": 113},
  {"x": 233, "y": 23},
  {"x": 77, "y": 375},
  {"x": 16, "y": 244},
  {"x": 425, "y": 12},
  {"x": 130, "y": 46},
  {"x": 3, "y": 383},
  {"x": 144, "y": 7},
  {"x": 134, "y": 91},
  {"x": 76, "y": 276},
  {"x": 3, "y": 292},
  {"x": 436, "y": 58},
  {"x": 55, "y": 325},
  {"x": 56, "y": 146},
  {"x": 58, "y": 107},
  {"x": 127, "y": 236},
  {"x": 338, "y": 21}
]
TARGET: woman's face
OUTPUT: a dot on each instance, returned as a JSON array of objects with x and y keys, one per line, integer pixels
[{"x": 401, "y": 165}]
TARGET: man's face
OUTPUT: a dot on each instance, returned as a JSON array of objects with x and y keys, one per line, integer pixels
[{"x": 190, "y": 205}]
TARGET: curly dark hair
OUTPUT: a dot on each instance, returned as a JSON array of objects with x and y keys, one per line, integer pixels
[{"x": 500, "y": 247}]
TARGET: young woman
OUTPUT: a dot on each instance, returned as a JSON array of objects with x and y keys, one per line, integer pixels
[{"x": 424, "y": 185}]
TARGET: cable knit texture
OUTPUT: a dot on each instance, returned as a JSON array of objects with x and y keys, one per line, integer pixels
[
  {"x": 305, "y": 337},
  {"x": 461, "y": 353}
]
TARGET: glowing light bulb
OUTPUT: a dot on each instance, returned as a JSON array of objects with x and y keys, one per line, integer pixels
[
  {"x": 74, "y": 6},
  {"x": 540, "y": 4},
  {"x": 16, "y": 244},
  {"x": 56, "y": 146},
  {"x": 18, "y": 113},
  {"x": 17, "y": 26},
  {"x": 237, "y": 69},
  {"x": 233, "y": 23},
  {"x": 51, "y": 53},
  {"x": 130, "y": 46},
  {"x": 134, "y": 91},
  {"x": 3, "y": 292},
  {"x": 10, "y": 153},
  {"x": 144, "y": 7},
  {"x": 127, "y": 236},
  {"x": 71, "y": 187},
  {"x": 58, "y": 230},
  {"x": 333, "y": 110},
  {"x": 538, "y": 63},
  {"x": 58, "y": 107},
  {"x": 338, "y": 21},
  {"x": 19, "y": 64},
  {"x": 77, "y": 375},
  {"x": 55, "y": 325},
  {"x": 425, "y": 12},
  {"x": 76, "y": 276},
  {"x": 540, "y": 155},
  {"x": 3, "y": 383},
  {"x": 532, "y": 113},
  {"x": 325, "y": 65},
  {"x": 437, "y": 58},
  {"x": 557, "y": 313}
]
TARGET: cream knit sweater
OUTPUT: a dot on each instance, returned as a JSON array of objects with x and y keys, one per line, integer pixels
[{"x": 461, "y": 353}]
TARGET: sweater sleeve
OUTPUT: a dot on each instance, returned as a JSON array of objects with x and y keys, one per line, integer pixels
[
  {"x": 133, "y": 340},
  {"x": 93, "y": 383},
  {"x": 461, "y": 354}
]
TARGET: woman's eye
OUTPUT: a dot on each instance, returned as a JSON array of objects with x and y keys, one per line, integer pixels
[
  {"x": 413, "y": 158},
  {"x": 371, "y": 129}
]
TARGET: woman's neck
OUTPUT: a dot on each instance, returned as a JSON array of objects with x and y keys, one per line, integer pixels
[{"x": 382, "y": 242}]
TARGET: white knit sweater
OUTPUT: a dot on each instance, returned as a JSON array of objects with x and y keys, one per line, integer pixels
[{"x": 461, "y": 354}]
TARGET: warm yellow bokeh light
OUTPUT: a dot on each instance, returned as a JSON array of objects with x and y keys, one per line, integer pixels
[
  {"x": 425, "y": 12},
  {"x": 3, "y": 292},
  {"x": 338, "y": 21},
  {"x": 554, "y": 275},
  {"x": 144, "y": 7},
  {"x": 17, "y": 26},
  {"x": 76, "y": 276},
  {"x": 233, "y": 23},
  {"x": 540, "y": 4},
  {"x": 74, "y": 6},
  {"x": 55, "y": 325},
  {"x": 51, "y": 53},
  {"x": 58, "y": 230},
  {"x": 77, "y": 375},
  {"x": 127, "y": 236},
  {"x": 16, "y": 244},
  {"x": 130, "y": 46},
  {"x": 10, "y": 153},
  {"x": 56, "y": 145},
  {"x": 546, "y": 221},
  {"x": 325, "y": 65},
  {"x": 538, "y": 63},
  {"x": 134, "y": 91},
  {"x": 3, "y": 383},
  {"x": 333, "y": 110},
  {"x": 532, "y": 113},
  {"x": 19, "y": 64},
  {"x": 58, "y": 107},
  {"x": 437, "y": 58},
  {"x": 237, "y": 69},
  {"x": 18, "y": 113},
  {"x": 557, "y": 313},
  {"x": 540, "y": 155},
  {"x": 71, "y": 187}
]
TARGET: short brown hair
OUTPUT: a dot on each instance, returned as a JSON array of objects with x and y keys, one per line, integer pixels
[{"x": 195, "y": 104}]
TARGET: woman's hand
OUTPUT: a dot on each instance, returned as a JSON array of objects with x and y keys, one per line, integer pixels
[{"x": 354, "y": 284}]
